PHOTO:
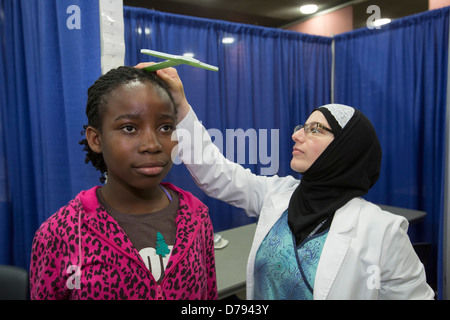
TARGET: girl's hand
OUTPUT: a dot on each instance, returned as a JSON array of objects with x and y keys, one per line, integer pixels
[{"x": 173, "y": 81}]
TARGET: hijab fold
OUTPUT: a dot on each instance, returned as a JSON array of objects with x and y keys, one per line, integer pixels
[{"x": 346, "y": 169}]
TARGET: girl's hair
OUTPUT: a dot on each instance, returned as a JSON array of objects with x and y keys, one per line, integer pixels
[{"x": 98, "y": 95}]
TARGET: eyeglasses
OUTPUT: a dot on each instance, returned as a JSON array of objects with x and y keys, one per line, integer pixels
[{"x": 313, "y": 127}]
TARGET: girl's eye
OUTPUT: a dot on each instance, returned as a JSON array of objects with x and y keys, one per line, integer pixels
[
  {"x": 167, "y": 128},
  {"x": 128, "y": 129}
]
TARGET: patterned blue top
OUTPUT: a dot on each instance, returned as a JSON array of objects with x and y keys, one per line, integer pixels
[{"x": 277, "y": 272}]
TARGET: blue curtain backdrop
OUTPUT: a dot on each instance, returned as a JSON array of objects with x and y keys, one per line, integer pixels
[
  {"x": 398, "y": 77},
  {"x": 267, "y": 79},
  {"x": 49, "y": 55}
]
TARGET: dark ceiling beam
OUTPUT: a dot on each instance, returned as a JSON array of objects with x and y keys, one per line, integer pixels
[{"x": 205, "y": 12}]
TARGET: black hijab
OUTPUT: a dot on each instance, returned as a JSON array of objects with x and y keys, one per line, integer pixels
[{"x": 346, "y": 169}]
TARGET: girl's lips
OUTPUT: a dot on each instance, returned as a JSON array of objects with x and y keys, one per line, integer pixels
[
  {"x": 297, "y": 151},
  {"x": 150, "y": 171},
  {"x": 150, "y": 168}
]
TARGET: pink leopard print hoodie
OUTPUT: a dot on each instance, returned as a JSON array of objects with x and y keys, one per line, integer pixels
[{"x": 105, "y": 265}]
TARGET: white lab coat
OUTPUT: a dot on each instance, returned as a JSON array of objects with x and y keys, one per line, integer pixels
[{"x": 367, "y": 253}]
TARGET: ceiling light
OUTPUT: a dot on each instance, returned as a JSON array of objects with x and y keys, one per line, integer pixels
[
  {"x": 308, "y": 8},
  {"x": 380, "y": 22},
  {"x": 228, "y": 40}
]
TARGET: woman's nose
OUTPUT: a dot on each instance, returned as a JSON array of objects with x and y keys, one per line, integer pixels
[{"x": 299, "y": 135}]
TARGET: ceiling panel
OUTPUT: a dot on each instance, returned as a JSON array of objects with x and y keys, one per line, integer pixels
[{"x": 277, "y": 13}]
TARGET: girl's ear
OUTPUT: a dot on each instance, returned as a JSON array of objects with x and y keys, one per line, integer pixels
[{"x": 94, "y": 139}]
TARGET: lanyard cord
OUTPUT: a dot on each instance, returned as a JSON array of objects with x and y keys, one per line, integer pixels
[{"x": 305, "y": 280}]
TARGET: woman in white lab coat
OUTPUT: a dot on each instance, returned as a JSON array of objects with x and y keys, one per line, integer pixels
[{"x": 315, "y": 239}]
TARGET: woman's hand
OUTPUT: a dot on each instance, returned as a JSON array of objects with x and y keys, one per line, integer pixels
[{"x": 173, "y": 81}]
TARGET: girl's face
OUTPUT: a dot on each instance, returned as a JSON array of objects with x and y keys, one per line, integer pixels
[
  {"x": 135, "y": 138},
  {"x": 309, "y": 146}
]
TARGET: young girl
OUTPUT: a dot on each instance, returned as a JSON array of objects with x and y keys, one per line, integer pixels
[{"x": 135, "y": 237}]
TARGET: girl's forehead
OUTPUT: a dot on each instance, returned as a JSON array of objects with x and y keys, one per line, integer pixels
[
  {"x": 137, "y": 94},
  {"x": 136, "y": 83},
  {"x": 136, "y": 88}
]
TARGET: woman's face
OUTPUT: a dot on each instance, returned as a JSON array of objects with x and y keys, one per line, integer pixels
[
  {"x": 309, "y": 146},
  {"x": 136, "y": 135}
]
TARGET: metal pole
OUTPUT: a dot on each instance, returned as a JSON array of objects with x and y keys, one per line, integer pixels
[
  {"x": 333, "y": 67},
  {"x": 446, "y": 231}
]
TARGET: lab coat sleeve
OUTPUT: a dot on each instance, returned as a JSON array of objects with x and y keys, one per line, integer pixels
[
  {"x": 217, "y": 176},
  {"x": 403, "y": 275}
]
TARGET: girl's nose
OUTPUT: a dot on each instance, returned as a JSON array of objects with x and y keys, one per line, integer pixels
[{"x": 150, "y": 143}]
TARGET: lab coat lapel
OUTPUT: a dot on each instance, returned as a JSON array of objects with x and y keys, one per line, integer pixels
[
  {"x": 335, "y": 248},
  {"x": 279, "y": 204},
  {"x": 333, "y": 254}
]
